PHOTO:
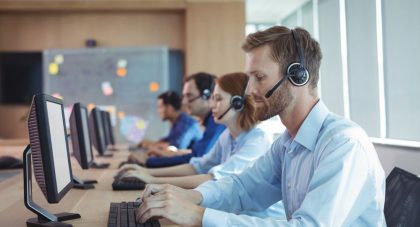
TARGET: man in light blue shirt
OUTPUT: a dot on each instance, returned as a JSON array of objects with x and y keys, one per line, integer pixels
[{"x": 323, "y": 167}]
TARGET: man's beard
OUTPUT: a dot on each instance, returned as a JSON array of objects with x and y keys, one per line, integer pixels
[{"x": 275, "y": 104}]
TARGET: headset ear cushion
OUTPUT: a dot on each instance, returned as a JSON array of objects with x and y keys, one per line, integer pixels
[
  {"x": 299, "y": 76},
  {"x": 237, "y": 102},
  {"x": 206, "y": 94}
]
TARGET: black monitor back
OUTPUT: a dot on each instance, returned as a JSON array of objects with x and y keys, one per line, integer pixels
[
  {"x": 109, "y": 134},
  {"x": 80, "y": 135},
  {"x": 47, "y": 135},
  {"x": 97, "y": 130}
]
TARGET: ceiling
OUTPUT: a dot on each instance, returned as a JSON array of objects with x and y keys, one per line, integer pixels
[{"x": 270, "y": 11}]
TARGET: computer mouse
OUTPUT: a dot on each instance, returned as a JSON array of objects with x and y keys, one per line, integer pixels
[{"x": 9, "y": 162}]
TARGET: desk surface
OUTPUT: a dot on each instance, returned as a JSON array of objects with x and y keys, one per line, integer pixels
[{"x": 92, "y": 204}]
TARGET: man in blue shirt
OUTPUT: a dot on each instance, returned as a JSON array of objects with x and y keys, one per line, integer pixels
[
  {"x": 185, "y": 130},
  {"x": 323, "y": 167},
  {"x": 196, "y": 98}
]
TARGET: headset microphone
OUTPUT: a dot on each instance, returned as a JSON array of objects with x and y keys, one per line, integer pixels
[
  {"x": 273, "y": 89},
  {"x": 193, "y": 99},
  {"x": 224, "y": 113}
]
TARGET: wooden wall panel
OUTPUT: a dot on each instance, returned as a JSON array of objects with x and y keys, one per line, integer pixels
[
  {"x": 214, "y": 34},
  {"x": 34, "y": 31}
]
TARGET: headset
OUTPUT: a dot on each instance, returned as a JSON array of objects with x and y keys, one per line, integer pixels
[
  {"x": 296, "y": 72},
  {"x": 205, "y": 94},
  {"x": 236, "y": 102}
]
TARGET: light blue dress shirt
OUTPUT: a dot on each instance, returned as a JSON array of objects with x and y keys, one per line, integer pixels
[
  {"x": 231, "y": 156},
  {"x": 328, "y": 175}
]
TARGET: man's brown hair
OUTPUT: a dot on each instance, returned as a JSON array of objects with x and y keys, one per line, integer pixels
[
  {"x": 235, "y": 84},
  {"x": 283, "y": 48}
]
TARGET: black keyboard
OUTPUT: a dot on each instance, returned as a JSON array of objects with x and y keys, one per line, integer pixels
[
  {"x": 129, "y": 183},
  {"x": 124, "y": 215}
]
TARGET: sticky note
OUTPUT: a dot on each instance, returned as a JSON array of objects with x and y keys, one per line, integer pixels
[
  {"x": 107, "y": 88},
  {"x": 59, "y": 59},
  {"x": 121, "y": 114},
  {"x": 121, "y": 72},
  {"x": 122, "y": 63},
  {"x": 90, "y": 106},
  {"x": 153, "y": 86},
  {"x": 53, "y": 68},
  {"x": 140, "y": 124}
]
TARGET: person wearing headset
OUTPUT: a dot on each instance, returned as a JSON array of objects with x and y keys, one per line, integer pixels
[
  {"x": 196, "y": 99},
  {"x": 239, "y": 145},
  {"x": 324, "y": 167},
  {"x": 185, "y": 130}
]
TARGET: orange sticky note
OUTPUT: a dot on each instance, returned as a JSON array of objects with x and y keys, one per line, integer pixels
[
  {"x": 121, "y": 72},
  {"x": 154, "y": 86}
]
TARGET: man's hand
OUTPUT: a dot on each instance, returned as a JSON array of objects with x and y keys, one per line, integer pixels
[
  {"x": 128, "y": 167},
  {"x": 143, "y": 176},
  {"x": 160, "y": 152},
  {"x": 138, "y": 157},
  {"x": 172, "y": 203},
  {"x": 193, "y": 196}
]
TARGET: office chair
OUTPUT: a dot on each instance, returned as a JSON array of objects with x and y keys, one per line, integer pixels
[{"x": 402, "y": 199}]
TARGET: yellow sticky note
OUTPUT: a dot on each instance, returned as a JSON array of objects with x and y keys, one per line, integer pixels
[
  {"x": 140, "y": 124},
  {"x": 53, "y": 68}
]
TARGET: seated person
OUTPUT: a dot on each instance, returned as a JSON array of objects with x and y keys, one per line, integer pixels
[
  {"x": 185, "y": 130},
  {"x": 196, "y": 99},
  {"x": 324, "y": 167},
  {"x": 239, "y": 145}
]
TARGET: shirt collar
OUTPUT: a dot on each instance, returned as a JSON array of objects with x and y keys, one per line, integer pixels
[{"x": 308, "y": 132}]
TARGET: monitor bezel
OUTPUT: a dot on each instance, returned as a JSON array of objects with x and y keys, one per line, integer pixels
[{"x": 53, "y": 196}]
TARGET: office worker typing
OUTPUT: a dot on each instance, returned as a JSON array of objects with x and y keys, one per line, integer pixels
[
  {"x": 196, "y": 98},
  {"x": 323, "y": 167},
  {"x": 238, "y": 146},
  {"x": 185, "y": 130}
]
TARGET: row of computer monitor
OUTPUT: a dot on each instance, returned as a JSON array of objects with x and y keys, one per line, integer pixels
[{"x": 49, "y": 150}]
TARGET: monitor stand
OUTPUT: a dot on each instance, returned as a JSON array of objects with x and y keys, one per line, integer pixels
[
  {"x": 113, "y": 148},
  {"x": 83, "y": 184},
  {"x": 44, "y": 218},
  {"x": 99, "y": 165},
  {"x": 105, "y": 155}
]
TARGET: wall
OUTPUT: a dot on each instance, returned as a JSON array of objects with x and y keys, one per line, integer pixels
[
  {"x": 210, "y": 32},
  {"x": 13, "y": 121},
  {"x": 35, "y": 31},
  {"x": 214, "y": 34},
  {"x": 405, "y": 158}
]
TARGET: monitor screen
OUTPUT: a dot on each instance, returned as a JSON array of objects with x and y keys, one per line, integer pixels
[
  {"x": 88, "y": 148},
  {"x": 58, "y": 145}
]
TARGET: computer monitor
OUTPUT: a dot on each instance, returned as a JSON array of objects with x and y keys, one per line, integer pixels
[
  {"x": 109, "y": 134},
  {"x": 98, "y": 132},
  {"x": 48, "y": 150},
  {"x": 80, "y": 136},
  {"x": 81, "y": 141},
  {"x": 106, "y": 128}
]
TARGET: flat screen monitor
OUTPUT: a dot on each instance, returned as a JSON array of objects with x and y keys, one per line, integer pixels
[
  {"x": 80, "y": 136},
  {"x": 47, "y": 135},
  {"x": 48, "y": 150},
  {"x": 109, "y": 134},
  {"x": 97, "y": 131}
]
